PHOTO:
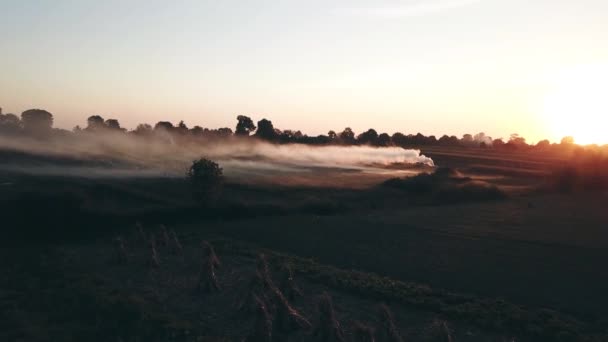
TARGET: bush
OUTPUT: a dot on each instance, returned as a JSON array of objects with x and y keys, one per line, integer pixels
[{"x": 207, "y": 179}]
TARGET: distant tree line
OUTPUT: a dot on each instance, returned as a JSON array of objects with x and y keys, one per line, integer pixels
[{"x": 39, "y": 123}]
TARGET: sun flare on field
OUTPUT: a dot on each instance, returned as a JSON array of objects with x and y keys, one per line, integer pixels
[{"x": 577, "y": 106}]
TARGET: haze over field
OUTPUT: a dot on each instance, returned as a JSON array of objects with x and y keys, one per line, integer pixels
[{"x": 119, "y": 155}]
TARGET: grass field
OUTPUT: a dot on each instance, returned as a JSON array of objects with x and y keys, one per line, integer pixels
[{"x": 533, "y": 249}]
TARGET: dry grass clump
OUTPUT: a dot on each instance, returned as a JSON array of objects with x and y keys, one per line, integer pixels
[
  {"x": 262, "y": 327},
  {"x": 121, "y": 256},
  {"x": 140, "y": 232},
  {"x": 328, "y": 328},
  {"x": 388, "y": 330},
  {"x": 263, "y": 270},
  {"x": 363, "y": 333},
  {"x": 175, "y": 245},
  {"x": 208, "y": 281},
  {"x": 153, "y": 261},
  {"x": 287, "y": 319},
  {"x": 439, "y": 331},
  {"x": 261, "y": 265},
  {"x": 247, "y": 301},
  {"x": 163, "y": 236},
  {"x": 209, "y": 253},
  {"x": 260, "y": 287},
  {"x": 288, "y": 285}
]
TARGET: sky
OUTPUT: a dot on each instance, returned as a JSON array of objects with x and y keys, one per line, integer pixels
[{"x": 533, "y": 67}]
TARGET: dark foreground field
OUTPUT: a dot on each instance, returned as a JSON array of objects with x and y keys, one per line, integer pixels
[{"x": 529, "y": 265}]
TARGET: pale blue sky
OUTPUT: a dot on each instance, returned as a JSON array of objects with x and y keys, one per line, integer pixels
[{"x": 430, "y": 66}]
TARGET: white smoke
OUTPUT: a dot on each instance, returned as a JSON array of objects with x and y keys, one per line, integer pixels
[{"x": 120, "y": 155}]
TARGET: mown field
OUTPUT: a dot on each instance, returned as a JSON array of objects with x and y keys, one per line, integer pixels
[{"x": 533, "y": 249}]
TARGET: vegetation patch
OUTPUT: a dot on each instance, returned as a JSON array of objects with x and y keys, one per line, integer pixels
[
  {"x": 446, "y": 185},
  {"x": 494, "y": 314}
]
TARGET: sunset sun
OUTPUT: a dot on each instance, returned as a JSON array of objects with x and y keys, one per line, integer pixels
[{"x": 578, "y": 106}]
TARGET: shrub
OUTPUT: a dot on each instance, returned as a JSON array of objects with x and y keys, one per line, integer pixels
[{"x": 206, "y": 178}]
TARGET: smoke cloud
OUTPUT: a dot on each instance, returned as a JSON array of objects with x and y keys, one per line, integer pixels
[{"x": 121, "y": 155}]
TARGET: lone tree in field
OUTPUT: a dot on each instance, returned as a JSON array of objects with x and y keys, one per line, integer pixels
[{"x": 206, "y": 178}]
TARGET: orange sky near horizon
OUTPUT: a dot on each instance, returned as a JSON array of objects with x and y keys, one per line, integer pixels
[{"x": 430, "y": 66}]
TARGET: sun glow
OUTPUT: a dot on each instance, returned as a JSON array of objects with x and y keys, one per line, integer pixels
[{"x": 578, "y": 105}]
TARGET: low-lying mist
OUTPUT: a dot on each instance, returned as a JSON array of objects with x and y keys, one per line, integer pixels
[{"x": 243, "y": 159}]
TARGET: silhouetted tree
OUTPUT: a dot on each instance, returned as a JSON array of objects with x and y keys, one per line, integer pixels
[
  {"x": 332, "y": 135},
  {"x": 266, "y": 130},
  {"x": 368, "y": 138},
  {"x": 206, "y": 178},
  {"x": 9, "y": 123},
  {"x": 181, "y": 128},
  {"x": 444, "y": 140},
  {"x": 9, "y": 119},
  {"x": 143, "y": 130},
  {"x": 383, "y": 140},
  {"x": 224, "y": 132},
  {"x": 197, "y": 131},
  {"x": 347, "y": 136},
  {"x": 498, "y": 143},
  {"x": 567, "y": 141},
  {"x": 37, "y": 120},
  {"x": 95, "y": 122},
  {"x": 516, "y": 141},
  {"x": 164, "y": 126},
  {"x": 113, "y": 124},
  {"x": 419, "y": 139},
  {"x": 40, "y": 121},
  {"x": 244, "y": 126},
  {"x": 467, "y": 139},
  {"x": 482, "y": 138},
  {"x": 321, "y": 140},
  {"x": 399, "y": 139},
  {"x": 543, "y": 144}
]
